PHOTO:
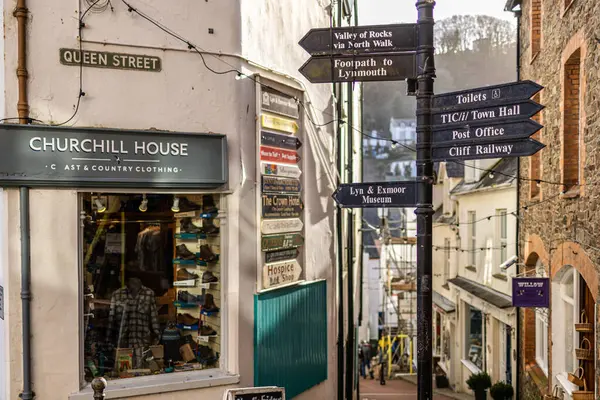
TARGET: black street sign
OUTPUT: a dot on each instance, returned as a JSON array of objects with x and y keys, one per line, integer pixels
[
  {"x": 361, "y": 39},
  {"x": 377, "y": 194},
  {"x": 281, "y": 205},
  {"x": 280, "y": 141},
  {"x": 505, "y": 93},
  {"x": 517, "y": 148},
  {"x": 485, "y": 132},
  {"x": 281, "y": 255},
  {"x": 286, "y": 185},
  {"x": 380, "y": 67},
  {"x": 495, "y": 113}
]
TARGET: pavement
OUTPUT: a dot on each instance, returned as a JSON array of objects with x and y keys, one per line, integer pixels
[{"x": 401, "y": 389}]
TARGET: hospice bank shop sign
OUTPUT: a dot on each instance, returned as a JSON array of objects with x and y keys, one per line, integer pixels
[{"x": 88, "y": 157}]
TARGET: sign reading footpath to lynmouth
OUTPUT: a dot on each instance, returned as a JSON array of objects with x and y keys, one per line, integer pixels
[{"x": 377, "y": 194}]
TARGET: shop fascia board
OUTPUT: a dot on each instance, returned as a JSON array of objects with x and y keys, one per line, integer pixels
[
  {"x": 506, "y": 315},
  {"x": 183, "y": 191}
]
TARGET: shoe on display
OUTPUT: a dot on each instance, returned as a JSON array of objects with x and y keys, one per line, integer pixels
[
  {"x": 208, "y": 204},
  {"x": 206, "y": 330},
  {"x": 183, "y": 253},
  {"x": 209, "y": 277},
  {"x": 209, "y": 303},
  {"x": 186, "y": 297},
  {"x": 186, "y": 205},
  {"x": 209, "y": 227},
  {"x": 186, "y": 226},
  {"x": 184, "y": 275},
  {"x": 187, "y": 319},
  {"x": 205, "y": 353},
  {"x": 206, "y": 253}
]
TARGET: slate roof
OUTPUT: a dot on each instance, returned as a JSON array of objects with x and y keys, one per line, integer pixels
[
  {"x": 491, "y": 296},
  {"x": 454, "y": 170},
  {"x": 447, "y": 305},
  {"x": 504, "y": 172}
]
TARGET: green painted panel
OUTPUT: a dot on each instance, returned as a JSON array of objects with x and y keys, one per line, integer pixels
[{"x": 290, "y": 337}]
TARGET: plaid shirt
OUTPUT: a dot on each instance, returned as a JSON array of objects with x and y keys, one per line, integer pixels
[{"x": 133, "y": 319}]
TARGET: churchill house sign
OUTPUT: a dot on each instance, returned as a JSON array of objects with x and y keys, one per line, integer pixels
[{"x": 89, "y": 157}]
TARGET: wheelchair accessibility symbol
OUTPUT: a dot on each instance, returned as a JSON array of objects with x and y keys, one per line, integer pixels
[{"x": 496, "y": 94}]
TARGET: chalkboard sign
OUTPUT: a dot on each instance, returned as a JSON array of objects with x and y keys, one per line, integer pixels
[{"x": 262, "y": 393}]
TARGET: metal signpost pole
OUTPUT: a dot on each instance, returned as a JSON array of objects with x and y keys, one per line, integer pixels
[{"x": 424, "y": 211}]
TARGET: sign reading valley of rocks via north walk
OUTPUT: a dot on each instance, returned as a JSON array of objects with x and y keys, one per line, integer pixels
[
  {"x": 281, "y": 255},
  {"x": 517, "y": 148},
  {"x": 282, "y": 241},
  {"x": 485, "y": 132},
  {"x": 377, "y": 194},
  {"x": 284, "y": 170},
  {"x": 505, "y": 93},
  {"x": 380, "y": 67},
  {"x": 281, "y": 141},
  {"x": 281, "y": 273},
  {"x": 281, "y": 185},
  {"x": 280, "y": 104},
  {"x": 103, "y": 59},
  {"x": 525, "y": 109},
  {"x": 272, "y": 226},
  {"x": 373, "y": 38},
  {"x": 281, "y": 205}
]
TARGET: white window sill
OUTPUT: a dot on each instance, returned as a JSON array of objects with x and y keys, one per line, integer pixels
[
  {"x": 470, "y": 366},
  {"x": 567, "y": 386},
  {"x": 163, "y": 383}
]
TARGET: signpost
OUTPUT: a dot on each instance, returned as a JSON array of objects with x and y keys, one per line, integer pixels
[
  {"x": 280, "y": 141},
  {"x": 484, "y": 131},
  {"x": 271, "y": 226},
  {"x": 507, "y": 92},
  {"x": 374, "y": 38},
  {"x": 288, "y": 171},
  {"x": 380, "y": 67},
  {"x": 524, "y": 109},
  {"x": 281, "y": 205},
  {"x": 282, "y": 185},
  {"x": 279, "y": 124},
  {"x": 281, "y": 255},
  {"x": 279, "y": 242},
  {"x": 498, "y": 149},
  {"x": 279, "y": 155},
  {"x": 280, "y": 104},
  {"x": 281, "y": 273},
  {"x": 377, "y": 194}
]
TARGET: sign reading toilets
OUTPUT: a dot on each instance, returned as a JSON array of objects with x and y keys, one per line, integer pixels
[{"x": 91, "y": 157}]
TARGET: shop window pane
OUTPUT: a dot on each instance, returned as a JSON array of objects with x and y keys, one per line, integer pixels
[
  {"x": 151, "y": 278},
  {"x": 475, "y": 340}
]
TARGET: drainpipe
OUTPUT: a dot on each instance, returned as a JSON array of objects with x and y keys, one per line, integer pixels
[
  {"x": 518, "y": 313},
  {"x": 27, "y": 394},
  {"x": 21, "y": 13}
]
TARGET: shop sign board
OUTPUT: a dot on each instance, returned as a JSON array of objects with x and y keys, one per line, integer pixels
[
  {"x": 281, "y": 205},
  {"x": 279, "y": 155},
  {"x": 103, "y": 59},
  {"x": 281, "y": 141},
  {"x": 288, "y": 171},
  {"x": 281, "y": 273},
  {"x": 92, "y": 157},
  {"x": 377, "y": 194},
  {"x": 500, "y": 149},
  {"x": 361, "y": 39},
  {"x": 531, "y": 292},
  {"x": 380, "y": 67},
  {"x": 279, "y": 124},
  {"x": 270, "y": 226},
  {"x": 279, "y": 104},
  {"x": 257, "y": 393},
  {"x": 282, "y": 185},
  {"x": 281, "y": 241},
  {"x": 281, "y": 255}
]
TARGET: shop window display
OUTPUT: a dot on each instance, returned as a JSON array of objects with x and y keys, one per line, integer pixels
[{"x": 151, "y": 279}]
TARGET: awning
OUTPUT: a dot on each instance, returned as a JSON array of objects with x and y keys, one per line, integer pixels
[
  {"x": 443, "y": 303},
  {"x": 491, "y": 296}
]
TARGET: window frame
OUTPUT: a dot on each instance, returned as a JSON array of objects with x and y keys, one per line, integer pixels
[
  {"x": 541, "y": 340},
  {"x": 502, "y": 236},
  {"x": 447, "y": 258},
  {"x": 471, "y": 218}
]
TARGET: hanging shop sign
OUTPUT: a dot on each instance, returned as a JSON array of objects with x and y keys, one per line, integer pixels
[
  {"x": 257, "y": 393},
  {"x": 281, "y": 255},
  {"x": 279, "y": 155},
  {"x": 279, "y": 104},
  {"x": 285, "y": 185},
  {"x": 281, "y": 273},
  {"x": 281, "y": 141},
  {"x": 281, "y": 205},
  {"x": 270, "y": 226},
  {"x": 288, "y": 171},
  {"x": 90, "y": 157},
  {"x": 283, "y": 241},
  {"x": 531, "y": 292},
  {"x": 279, "y": 124},
  {"x": 103, "y": 59}
]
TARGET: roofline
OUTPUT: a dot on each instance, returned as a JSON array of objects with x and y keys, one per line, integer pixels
[
  {"x": 502, "y": 186},
  {"x": 511, "y": 4}
]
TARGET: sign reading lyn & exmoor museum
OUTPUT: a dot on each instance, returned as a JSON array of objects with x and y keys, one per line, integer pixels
[
  {"x": 90, "y": 157},
  {"x": 377, "y": 194},
  {"x": 531, "y": 292},
  {"x": 103, "y": 59}
]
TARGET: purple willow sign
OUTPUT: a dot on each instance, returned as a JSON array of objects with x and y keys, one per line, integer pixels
[{"x": 531, "y": 292}]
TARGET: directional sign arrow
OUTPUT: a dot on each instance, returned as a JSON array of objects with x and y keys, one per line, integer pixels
[
  {"x": 505, "y": 93},
  {"x": 377, "y": 194},
  {"x": 493, "y": 113},
  {"x": 281, "y": 141},
  {"x": 288, "y": 171},
  {"x": 279, "y": 155},
  {"x": 380, "y": 67},
  {"x": 279, "y": 124},
  {"x": 281, "y": 255},
  {"x": 482, "y": 132},
  {"x": 281, "y": 273},
  {"x": 272, "y": 226},
  {"x": 361, "y": 39},
  {"x": 517, "y": 148}
]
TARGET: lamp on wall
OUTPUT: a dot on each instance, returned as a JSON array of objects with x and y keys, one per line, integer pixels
[
  {"x": 100, "y": 207},
  {"x": 144, "y": 204},
  {"x": 175, "y": 206}
]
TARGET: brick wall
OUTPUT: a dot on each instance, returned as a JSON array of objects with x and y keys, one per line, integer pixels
[{"x": 536, "y": 26}]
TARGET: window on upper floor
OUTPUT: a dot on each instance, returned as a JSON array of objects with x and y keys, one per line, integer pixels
[
  {"x": 535, "y": 161},
  {"x": 502, "y": 236},
  {"x": 536, "y": 27},
  {"x": 472, "y": 227},
  {"x": 446, "y": 259},
  {"x": 571, "y": 134}
]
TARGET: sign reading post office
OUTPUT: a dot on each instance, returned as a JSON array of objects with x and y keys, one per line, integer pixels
[{"x": 91, "y": 157}]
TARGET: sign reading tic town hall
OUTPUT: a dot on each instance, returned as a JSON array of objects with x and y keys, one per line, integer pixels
[{"x": 88, "y": 157}]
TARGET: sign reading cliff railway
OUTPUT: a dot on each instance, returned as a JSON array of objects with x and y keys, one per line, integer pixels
[
  {"x": 377, "y": 194},
  {"x": 517, "y": 148}
]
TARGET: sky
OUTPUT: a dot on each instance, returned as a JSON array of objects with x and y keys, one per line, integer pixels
[{"x": 373, "y": 12}]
